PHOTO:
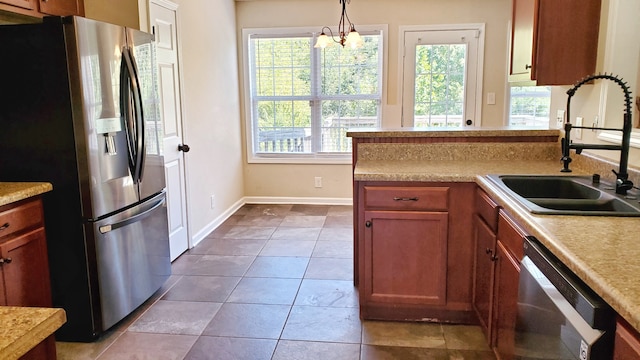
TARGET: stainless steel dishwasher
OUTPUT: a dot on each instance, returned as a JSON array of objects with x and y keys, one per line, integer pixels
[{"x": 559, "y": 316}]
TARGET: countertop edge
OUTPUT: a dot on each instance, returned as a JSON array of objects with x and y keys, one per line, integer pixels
[
  {"x": 11, "y": 192},
  {"x": 35, "y": 334}
]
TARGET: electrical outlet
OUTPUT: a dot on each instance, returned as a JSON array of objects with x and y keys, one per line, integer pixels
[
  {"x": 559, "y": 118},
  {"x": 318, "y": 181},
  {"x": 579, "y": 131},
  {"x": 213, "y": 202}
]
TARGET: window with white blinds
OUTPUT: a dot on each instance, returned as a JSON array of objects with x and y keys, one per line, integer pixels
[{"x": 302, "y": 100}]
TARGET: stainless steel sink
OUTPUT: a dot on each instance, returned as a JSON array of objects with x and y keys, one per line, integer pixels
[{"x": 566, "y": 195}]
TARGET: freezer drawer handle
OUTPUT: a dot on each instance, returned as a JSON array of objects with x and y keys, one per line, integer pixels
[{"x": 109, "y": 227}]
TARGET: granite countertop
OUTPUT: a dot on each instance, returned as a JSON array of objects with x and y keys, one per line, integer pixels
[
  {"x": 15, "y": 191},
  {"x": 450, "y": 132},
  {"x": 603, "y": 251},
  {"x": 25, "y": 327}
]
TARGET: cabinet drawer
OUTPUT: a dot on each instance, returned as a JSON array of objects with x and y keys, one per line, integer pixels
[
  {"x": 20, "y": 216},
  {"x": 406, "y": 198},
  {"x": 487, "y": 209},
  {"x": 511, "y": 235}
]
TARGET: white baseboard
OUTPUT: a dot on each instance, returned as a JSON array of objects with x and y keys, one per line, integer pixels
[
  {"x": 201, "y": 234},
  {"x": 297, "y": 200}
]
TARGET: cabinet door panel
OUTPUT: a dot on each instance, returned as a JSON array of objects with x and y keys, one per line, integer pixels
[
  {"x": 522, "y": 39},
  {"x": 405, "y": 257},
  {"x": 485, "y": 246},
  {"x": 62, "y": 7},
  {"x": 27, "y": 275}
]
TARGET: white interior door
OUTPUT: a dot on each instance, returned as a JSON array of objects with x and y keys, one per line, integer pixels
[{"x": 162, "y": 19}]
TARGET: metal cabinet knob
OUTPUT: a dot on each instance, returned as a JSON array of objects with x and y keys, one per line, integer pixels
[
  {"x": 367, "y": 224},
  {"x": 184, "y": 148},
  {"x": 4, "y": 226},
  {"x": 527, "y": 67}
]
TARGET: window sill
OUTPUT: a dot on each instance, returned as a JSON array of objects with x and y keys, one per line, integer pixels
[
  {"x": 616, "y": 137},
  {"x": 301, "y": 159}
]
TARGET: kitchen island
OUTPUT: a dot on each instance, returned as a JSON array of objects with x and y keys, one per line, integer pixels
[
  {"x": 602, "y": 251},
  {"x": 28, "y": 321}
]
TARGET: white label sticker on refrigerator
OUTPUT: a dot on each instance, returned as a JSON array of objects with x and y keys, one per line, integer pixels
[
  {"x": 107, "y": 125},
  {"x": 584, "y": 350}
]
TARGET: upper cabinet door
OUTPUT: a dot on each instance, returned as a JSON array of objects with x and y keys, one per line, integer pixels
[
  {"x": 522, "y": 39},
  {"x": 26, "y": 4},
  {"x": 61, "y": 7}
]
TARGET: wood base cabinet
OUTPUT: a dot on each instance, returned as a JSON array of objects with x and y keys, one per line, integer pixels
[
  {"x": 24, "y": 265},
  {"x": 499, "y": 246},
  {"x": 411, "y": 264}
]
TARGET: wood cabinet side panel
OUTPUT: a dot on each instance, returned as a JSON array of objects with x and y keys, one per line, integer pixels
[{"x": 627, "y": 342}]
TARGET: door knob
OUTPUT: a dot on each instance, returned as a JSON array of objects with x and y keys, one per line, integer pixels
[{"x": 184, "y": 148}]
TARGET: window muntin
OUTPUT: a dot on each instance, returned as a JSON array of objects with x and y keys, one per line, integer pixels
[{"x": 304, "y": 99}]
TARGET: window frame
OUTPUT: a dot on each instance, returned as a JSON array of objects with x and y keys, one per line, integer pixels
[
  {"x": 480, "y": 27},
  {"x": 313, "y": 32}
]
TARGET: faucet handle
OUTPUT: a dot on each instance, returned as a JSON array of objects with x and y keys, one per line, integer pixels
[{"x": 623, "y": 184}]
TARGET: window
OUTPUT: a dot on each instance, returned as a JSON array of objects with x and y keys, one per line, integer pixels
[
  {"x": 441, "y": 76},
  {"x": 529, "y": 106},
  {"x": 303, "y": 100}
]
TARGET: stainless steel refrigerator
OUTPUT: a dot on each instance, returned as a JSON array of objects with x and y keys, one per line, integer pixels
[{"x": 79, "y": 109}]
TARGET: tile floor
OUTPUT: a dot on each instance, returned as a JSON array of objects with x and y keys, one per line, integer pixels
[{"x": 273, "y": 282}]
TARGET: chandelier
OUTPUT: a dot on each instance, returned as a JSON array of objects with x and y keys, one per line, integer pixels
[{"x": 347, "y": 32}]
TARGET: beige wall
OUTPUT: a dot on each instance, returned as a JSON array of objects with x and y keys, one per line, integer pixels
[
  {"x": 586, "y": 102},
  {"x": 211, "y": 117},
  {"x": 296, "y": 181}
]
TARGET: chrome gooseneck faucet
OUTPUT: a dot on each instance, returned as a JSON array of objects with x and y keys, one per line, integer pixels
[{"x": 622, "y": 177}]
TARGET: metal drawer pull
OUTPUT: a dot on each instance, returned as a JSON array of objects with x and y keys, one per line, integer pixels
[
  {"x": 5, "y": 261},
  {"x": 405, "y": 199},
  {"x": 3, "y": 227}
]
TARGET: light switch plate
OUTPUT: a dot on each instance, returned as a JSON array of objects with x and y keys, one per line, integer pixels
[{"x": 491, "y": 98}]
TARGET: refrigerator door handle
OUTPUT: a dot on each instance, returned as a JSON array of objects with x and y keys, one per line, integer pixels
[
  {"x": 135, "y": 131},
  {"x": 109, "y": 227}
]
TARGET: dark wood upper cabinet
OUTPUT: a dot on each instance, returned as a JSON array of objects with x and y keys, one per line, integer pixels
[
  {"x": 553, "y": 42},
  {"x": 62, "y": 7},
  {"x": 39, "y": 8}
]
